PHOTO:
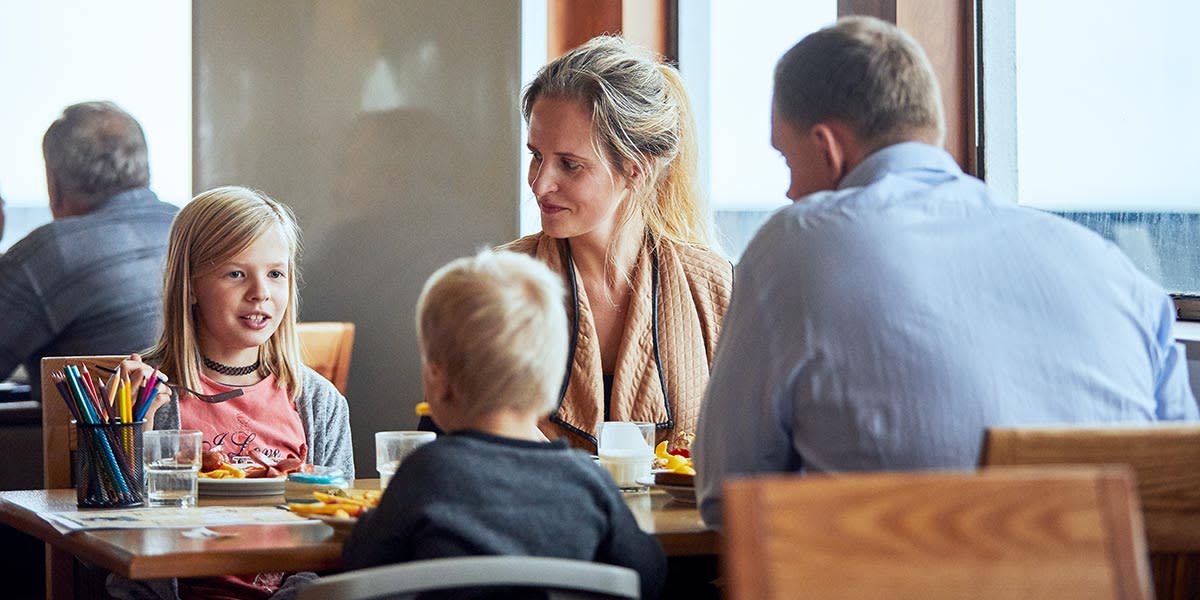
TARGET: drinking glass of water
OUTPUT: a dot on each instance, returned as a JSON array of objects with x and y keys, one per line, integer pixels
[
  {"x": 392, "y": 446},
  {"x": 172, "y": 461}
]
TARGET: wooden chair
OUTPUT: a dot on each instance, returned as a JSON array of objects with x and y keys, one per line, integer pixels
[
  {"x": 326, "y": 346},
  {"x": 1166, "y": 462},
  {"x": 999, "y": 534},
  {"x": 58, "y": 442}
]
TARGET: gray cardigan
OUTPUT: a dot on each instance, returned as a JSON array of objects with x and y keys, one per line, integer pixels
[{"x": 323, "y": 412}]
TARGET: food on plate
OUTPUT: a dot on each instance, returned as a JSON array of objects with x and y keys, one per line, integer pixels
[
  {"x": 223, "y": 471},
  {"x": 211, "y": 460},
  {"x": 676, "y": 457},
  {"x": 272, "y": 468},
  {"x": 681, "y": 444},
  {"x": 214, "y": 465},
  {"x": 339, "y": 504}
]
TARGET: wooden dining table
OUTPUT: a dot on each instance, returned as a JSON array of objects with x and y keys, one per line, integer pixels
[{"x": 310, "y": 546}]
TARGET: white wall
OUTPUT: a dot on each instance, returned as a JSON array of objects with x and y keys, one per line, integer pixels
[{"x": 391, "y": 128}]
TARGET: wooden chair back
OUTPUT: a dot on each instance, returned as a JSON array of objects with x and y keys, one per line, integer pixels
[
  {"x": 997, "y": 534},
  {"x": 326, "y": 346},
  {"x": 58, "y": 436},
  {"x": 1164, "y": 459}
]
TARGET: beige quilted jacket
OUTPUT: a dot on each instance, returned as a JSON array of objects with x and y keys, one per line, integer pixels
[{"x": 694, "y": 289}]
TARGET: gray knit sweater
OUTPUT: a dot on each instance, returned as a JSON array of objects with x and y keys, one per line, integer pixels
[
  {"x": 323, "y": 412},
  {"x": 469, "y": 493}
]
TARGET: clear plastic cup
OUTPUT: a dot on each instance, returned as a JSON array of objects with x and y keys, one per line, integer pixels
[
  {"x": 392, "y": 447},
  {"x": 626, "y": 451}
]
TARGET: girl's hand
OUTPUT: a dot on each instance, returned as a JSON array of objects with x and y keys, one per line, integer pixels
[{"x": 138, "y": 372}]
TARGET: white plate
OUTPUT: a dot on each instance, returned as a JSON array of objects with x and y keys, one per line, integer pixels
[
  {"x": 242, "y": 487},
  {"x": 683, "y": 494},
  {"x": 341, "y": 525}
]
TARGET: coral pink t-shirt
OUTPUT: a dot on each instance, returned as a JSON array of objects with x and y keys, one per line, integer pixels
[{"x": 264, "y": 417}]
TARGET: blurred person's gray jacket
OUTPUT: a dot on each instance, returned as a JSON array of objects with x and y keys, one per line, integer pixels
[{"x": 88, "y": 284}]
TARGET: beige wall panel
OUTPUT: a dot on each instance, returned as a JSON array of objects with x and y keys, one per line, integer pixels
[{"x": 392, "y": 129}]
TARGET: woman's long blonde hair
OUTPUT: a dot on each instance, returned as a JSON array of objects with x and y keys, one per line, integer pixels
[
  {"x": 640, "y": 116},
  {"x": 214, "y": 227}
]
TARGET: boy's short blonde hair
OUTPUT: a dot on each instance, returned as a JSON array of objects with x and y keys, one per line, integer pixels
[{"x": 496, "y": 325}]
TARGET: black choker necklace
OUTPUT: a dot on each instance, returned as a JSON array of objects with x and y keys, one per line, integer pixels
[{"x": 228, "y": 370}]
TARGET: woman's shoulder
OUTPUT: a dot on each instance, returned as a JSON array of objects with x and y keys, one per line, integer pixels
[
  {"x": 703, "y": 266},
  {"x": 525, "y": 245}
]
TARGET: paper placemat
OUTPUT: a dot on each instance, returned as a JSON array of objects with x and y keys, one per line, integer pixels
[{"x": 144, "y": 518}]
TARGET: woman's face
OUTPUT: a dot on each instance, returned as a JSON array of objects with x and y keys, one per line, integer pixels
[
  {"x": 577, "y": 192},
  {"x": 240, "y": 304}
]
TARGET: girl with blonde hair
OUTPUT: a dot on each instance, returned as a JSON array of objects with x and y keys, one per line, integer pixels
[
  {"x": 229, "y": 322},
  {"x": 613, "y": 169},
  {"x": 229, "y": 312}
]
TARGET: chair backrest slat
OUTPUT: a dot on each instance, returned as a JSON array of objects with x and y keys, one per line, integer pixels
[
  {"x": 1002, "y": 534},
  {"x": 1164, "y": 460},
  {"x": 58, "y": 436},
  {"x": 327, "y": 346}
]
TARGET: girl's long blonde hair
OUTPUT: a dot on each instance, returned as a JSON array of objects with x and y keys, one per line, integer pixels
[
  {"x": 640, "y": 116},
  {"x": 214, "y": 227}
]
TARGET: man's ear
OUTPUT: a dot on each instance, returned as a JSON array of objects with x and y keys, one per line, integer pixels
[
  {"x": 53, "y": 192},
  {"x": 830, "y": 142}
]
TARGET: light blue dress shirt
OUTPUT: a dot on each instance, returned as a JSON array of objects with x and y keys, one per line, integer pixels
[{"x": 885, "y": 325}]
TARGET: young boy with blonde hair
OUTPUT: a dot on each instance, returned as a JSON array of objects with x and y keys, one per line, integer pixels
[{"x": 493, "y": 337}]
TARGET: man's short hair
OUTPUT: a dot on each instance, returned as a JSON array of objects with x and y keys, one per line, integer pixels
[
  {"x": 97, "y": 149},
  {"x": 866, "y": 73},
  {"x": 496, "y": 325}
]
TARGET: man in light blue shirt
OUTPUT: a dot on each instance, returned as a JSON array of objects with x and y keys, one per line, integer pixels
[{"x": 900, "y": 307}]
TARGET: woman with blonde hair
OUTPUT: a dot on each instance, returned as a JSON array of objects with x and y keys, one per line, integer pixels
[{"x": 613, "y": 169}]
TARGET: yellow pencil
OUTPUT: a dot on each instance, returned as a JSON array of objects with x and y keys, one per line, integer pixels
[{"x": 124, "y": 395}]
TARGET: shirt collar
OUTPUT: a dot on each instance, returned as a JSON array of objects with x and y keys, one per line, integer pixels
[
  {"x": 130, "y": 197},
  {"x": 905, "y": 156}
]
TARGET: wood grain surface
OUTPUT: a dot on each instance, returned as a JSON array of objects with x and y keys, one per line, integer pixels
[
  {"x": 1059, "y": 533},
  {"x": 1164, "y": 460}
]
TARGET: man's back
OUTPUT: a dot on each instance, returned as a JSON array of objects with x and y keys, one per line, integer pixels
[
  {"x": 896, "y": 318},
  {"x": 90, "y": 284}
]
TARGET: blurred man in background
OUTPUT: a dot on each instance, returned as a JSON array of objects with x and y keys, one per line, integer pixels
[{"x": 90, "y": 281}]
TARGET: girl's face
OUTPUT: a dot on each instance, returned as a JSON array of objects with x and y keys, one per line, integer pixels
[
  {"x": 240, "y": 304},
  {"x": 577, "y": 193}
]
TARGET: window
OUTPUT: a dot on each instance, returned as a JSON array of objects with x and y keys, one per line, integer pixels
[
  {"x": 727, "y": 55},
  {"x": 136, "y": 53},
  {"x": 1101, "y": 123}
]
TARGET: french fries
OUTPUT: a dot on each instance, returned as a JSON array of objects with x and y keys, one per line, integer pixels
[
  {"x": 352, "y": 504},
  {"x": 224, "y": 471}
]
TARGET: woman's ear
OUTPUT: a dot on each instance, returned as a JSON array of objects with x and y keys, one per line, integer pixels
[{"x": 635, "y": 174}]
